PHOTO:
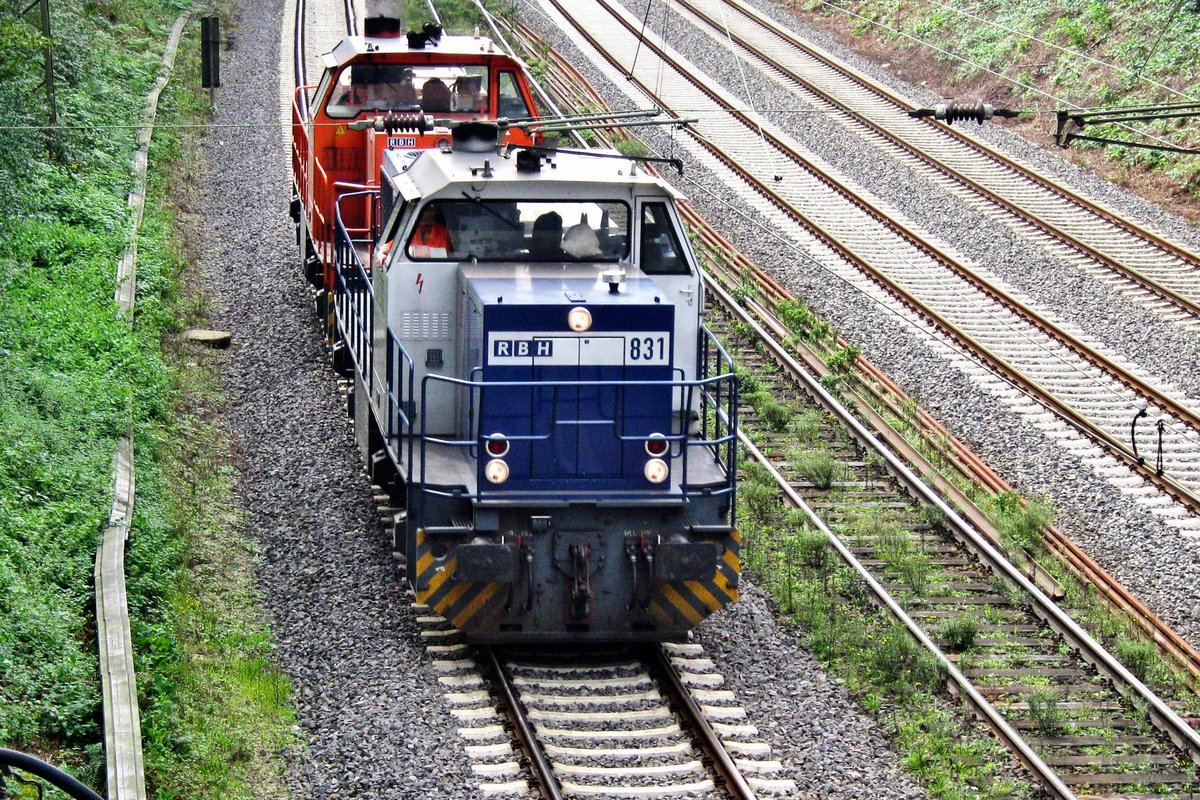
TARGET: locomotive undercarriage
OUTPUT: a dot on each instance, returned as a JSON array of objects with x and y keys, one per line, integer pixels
[{"x": 582, "y": 571}]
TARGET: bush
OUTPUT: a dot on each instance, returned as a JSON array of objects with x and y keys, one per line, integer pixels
[
  {"x": 748, "y": 383},
  {"x": 775, "y": 416},
  {"x": 807, "y": 426},
  {"x": 901, "y": 664},
  {"x": 959, "y": 633},
  {"x": 810, "y": 550},
  {"x": 914, "y": 569},
  {"x": 818, "y": 467},
  {"x": 842, "y": 360},
  {"x": 1139, "y": 657},
  {"x": 1021, "y": 524},
  {"x": 634, "y": 148},
  {"x": 1044, "y": 711},
  {"x": 760, "y": 501},
  {"x": 794, "y": 315}
]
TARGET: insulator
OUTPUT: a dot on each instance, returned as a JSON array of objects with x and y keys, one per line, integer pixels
[
  {"x": 402, "y": 123},
  {"x": 956, "y": 112}
]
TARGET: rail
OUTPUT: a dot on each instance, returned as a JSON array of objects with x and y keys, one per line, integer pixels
[
  {"x": 974, "y": 144},
  {"x": 510, "y": 705},
  {"x": 1160, "y": 714},
  {"x": 1119, "y": 449},
  {"x": 682, "y": 702},
  {"x": 1084, "y": 565}
]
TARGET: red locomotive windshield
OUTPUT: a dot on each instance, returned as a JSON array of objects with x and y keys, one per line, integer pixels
[{"x": 444, "y": 89}]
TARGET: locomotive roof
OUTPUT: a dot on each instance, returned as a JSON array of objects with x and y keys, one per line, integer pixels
[
  {"x": 353, "y": 47},
  {"x": 430, "y": 173}
]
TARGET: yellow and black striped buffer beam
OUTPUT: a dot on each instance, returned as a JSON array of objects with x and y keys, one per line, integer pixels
[
  {"x": 459, "y": 602},
  {"x": 692, "y": 601}
]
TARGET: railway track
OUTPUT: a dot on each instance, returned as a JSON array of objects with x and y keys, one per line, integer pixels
[
  {"x": 1027, "y": 658},
  {"x": 1049, "y": 692},
  {"x": 863, "y": 245},
  {"x": 648, "y": 721},
  {"x": 1139, "y": 263}
]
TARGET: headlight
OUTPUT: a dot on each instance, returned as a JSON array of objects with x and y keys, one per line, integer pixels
[
  {"x": 657, "y": 470},
  {"x": 496, "y": 471},
  {"x": 579, "y": 319}
]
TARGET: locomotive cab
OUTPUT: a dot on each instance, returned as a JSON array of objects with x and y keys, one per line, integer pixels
[
  {"x": 416, "y": 85},
  {"x": 539, "y": 375}
]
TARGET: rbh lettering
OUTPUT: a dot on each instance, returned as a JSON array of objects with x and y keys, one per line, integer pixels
[{"x": 522, "y": 348}]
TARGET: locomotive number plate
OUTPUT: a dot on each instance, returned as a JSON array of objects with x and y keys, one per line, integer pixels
[
  {"x": 613, "y": 348},
  {"x": 402, "y": 141}
]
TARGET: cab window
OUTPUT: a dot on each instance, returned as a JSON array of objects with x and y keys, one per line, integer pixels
[
  {"x": 659, "y": 252},
  {"x": 521, "y": 231},
  {"x": 512, "y": 102}
]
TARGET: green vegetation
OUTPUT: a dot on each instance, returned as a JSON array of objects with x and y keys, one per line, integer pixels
[
  {"x": 1044, "y": 711},
  {"x": 959, "y": 633},
  {"x": 1092, "y": 53},
  {"x": 818, "y": 467},
  {"x": 458, "y": 16},
  {"x": 75, "y": 373},
  {"x": 76, "y": 377}
]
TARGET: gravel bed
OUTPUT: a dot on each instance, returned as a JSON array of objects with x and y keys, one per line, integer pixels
[
  {"x": 371, "y": 716},
  {"x": 1162, "y": 568},
  {"x": 826, "y": 744}
]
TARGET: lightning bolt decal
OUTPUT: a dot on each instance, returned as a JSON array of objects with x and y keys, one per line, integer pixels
[{"x": 420, "y": 282}]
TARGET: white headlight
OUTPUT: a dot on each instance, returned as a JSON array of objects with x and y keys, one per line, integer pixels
[
  {"x": 496, "y": 471},
  {"x": 657, "y": 470},
  {"x": 579, "y": 319}
]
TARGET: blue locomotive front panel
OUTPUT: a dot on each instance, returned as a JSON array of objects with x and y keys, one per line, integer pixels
[
  {"x": 599, "y": 510},
  {"x": 581, "y": 421}
]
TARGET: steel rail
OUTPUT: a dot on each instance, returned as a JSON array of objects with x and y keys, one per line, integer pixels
[
  {"x": 1161, "y": 715},
  {"x": 543, "y": 95},
  {"x": 881, "y": 91},
  {"x": 1148, "y": 237},
  {"x": 540, "y": 767},
  {"x": 960, "y": 456},
  {"x": 729, "y": 777},
  {"x": 911, "y": 237},
  {"x": 966, "y": 462},
  {"x": 299, "y": 67},
  {"x": 1165, "y": 482}
]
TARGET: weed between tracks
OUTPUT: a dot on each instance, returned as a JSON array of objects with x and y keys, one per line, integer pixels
[{"x": 897, "y": 682}]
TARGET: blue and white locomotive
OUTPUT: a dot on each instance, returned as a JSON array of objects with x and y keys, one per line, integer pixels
[{"x": 533, "y": 382}]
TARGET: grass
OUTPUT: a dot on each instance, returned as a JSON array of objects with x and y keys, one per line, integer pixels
[
  {"x": 898, "y": 682},
  {"x": 1095, "y": 53},
  {"x": 214, "y": 711},
  {"x": 75, "y": 374},
  {"x": 818, "y": 467},
  {"x": 219, "y": 715}
]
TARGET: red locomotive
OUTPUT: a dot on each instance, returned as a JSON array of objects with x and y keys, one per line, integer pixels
[{"x": 387, "y": 91}]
